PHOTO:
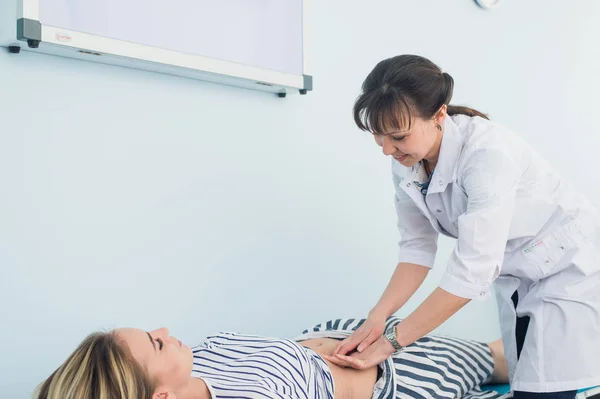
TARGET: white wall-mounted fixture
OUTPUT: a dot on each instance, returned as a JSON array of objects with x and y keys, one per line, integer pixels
[
  {"x": 487, "y": 3},
  {"x": 260, "y": 45}
]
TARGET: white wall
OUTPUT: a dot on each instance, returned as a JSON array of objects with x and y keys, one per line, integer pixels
[{"x": 138, "y": 199}]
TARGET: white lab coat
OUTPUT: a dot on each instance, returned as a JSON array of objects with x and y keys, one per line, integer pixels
[{"x": 520, "y": 227}]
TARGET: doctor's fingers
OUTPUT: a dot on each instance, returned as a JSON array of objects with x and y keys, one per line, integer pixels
[
  {"x": 368, "y": 341},
  {"x": 345, "y": 346},
  {"x": 349, "y": 344},
  {"x": 346, "y": 361}
]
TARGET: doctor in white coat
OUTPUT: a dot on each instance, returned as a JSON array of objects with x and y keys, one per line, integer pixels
[{"x": 518, "y": 226}]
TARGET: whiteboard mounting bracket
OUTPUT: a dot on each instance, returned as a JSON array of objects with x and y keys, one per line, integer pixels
[{"x": 30, "y": 31}]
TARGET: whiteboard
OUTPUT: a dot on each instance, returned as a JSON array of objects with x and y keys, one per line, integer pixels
[{"x": 261, "y": 44}]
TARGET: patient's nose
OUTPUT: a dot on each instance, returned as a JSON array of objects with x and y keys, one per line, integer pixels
[{"x": 161, "y": 332}]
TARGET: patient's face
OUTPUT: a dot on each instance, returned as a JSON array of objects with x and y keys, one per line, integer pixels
[{"x": 166, "y": 359}]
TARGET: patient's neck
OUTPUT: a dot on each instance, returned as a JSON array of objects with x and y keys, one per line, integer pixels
[{"x": 196, "y": 389}]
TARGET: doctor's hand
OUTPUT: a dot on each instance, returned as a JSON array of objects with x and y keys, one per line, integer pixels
[
  {"x": 376, "y": 353},
  {"x": 361, "y": 339}
]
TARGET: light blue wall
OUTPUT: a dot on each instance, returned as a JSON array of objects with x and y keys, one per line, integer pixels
[{"x": 136, "y": 199}]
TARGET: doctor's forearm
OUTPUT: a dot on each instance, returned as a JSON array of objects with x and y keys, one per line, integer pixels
[
  {"x": 435, "y": 310},
  {"x": 405, "y": 281}
]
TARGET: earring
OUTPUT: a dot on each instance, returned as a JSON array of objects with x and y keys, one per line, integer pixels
[{"x": 439, "y": 127}]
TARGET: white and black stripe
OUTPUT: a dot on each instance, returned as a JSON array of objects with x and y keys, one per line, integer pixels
[
  {"x": 251, "y": 367},
  {"x": 432, "y": 367}
]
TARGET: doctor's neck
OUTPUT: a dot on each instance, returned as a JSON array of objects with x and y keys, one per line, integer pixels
[{"x": 431, "y": 158}]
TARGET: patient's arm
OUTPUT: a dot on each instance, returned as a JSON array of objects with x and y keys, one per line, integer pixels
[{"x": 500, "y": 374}]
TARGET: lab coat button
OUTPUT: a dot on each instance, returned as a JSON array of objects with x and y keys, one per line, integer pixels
[
  {"x": 439, "y": 211},
  {"x": 408, "y": 185},
  {"x": 482, "y": 293},
  {"x": 441, "y": 183}
]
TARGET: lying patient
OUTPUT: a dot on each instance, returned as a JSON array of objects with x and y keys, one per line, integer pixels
[{"x": 130, "y": 364}]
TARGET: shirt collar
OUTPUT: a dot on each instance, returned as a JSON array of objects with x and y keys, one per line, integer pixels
[{"x": 450, "y": 150}]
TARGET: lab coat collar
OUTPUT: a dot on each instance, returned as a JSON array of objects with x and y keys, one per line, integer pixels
[{"x": 451, "y": 148}]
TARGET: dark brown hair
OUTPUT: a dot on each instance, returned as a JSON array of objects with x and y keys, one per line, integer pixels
[{"x": 401, "y": 87}]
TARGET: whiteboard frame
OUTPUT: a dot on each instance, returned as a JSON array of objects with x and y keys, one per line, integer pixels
[{"x": 73, "y": 44}]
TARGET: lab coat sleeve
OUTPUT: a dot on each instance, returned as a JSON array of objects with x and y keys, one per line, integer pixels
[
  {"x": 489, "y": 179},
  {"x": 418, "y": 238}
]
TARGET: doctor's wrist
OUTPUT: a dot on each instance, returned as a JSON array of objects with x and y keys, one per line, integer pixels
[
  {"x": 378, "y": 313},
  {"x": 400, "y": 335},
  {"x": 391, "y": 337}
]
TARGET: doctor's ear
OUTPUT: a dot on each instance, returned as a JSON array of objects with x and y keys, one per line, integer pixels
[{"x": 440, "y": 117}]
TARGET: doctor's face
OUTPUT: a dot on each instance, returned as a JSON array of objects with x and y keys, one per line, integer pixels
[{"x": 411, "y": 145}]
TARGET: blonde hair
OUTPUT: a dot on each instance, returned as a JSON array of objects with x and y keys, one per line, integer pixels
[{"x": 100, "y": 368}]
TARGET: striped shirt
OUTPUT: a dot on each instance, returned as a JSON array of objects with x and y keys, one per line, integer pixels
[
  {"x": 431, "y": 367},
  {"x": 251, "y": 367}
]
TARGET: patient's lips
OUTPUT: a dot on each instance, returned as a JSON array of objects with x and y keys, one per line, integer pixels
[{"x": 173, "y": 339}]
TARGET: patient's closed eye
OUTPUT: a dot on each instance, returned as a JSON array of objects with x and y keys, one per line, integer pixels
[{"x": 160, "y": 343}]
